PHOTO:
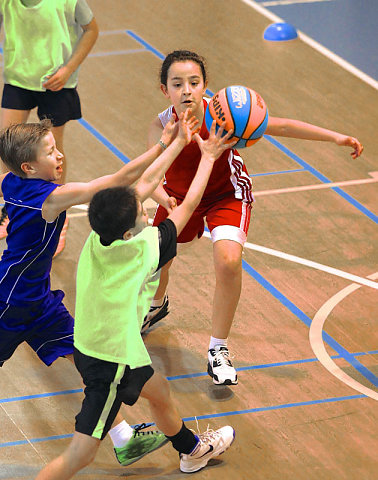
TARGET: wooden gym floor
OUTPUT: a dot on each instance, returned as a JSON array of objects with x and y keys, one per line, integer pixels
[{"x": 305, "y": 407}]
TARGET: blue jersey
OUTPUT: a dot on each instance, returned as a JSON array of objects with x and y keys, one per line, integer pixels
[{"x": 31, "y": 243}]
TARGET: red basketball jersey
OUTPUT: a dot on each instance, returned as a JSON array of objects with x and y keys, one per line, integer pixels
[{"x": 229, "y": 173}]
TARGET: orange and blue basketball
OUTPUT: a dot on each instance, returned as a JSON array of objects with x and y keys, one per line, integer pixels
[{"x": 242, "y": 110}]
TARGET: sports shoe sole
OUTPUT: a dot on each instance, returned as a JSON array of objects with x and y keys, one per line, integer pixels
[
  {"x": 216, "y": 456},
  {"x": 215, "y": 377}
]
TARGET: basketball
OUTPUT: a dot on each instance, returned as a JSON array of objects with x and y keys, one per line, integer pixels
[{"x": 242, "y": 110}]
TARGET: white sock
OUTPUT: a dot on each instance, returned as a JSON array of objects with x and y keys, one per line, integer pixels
[
  {"x": 121, "y": 434},
  {"x": 158, "y": 302},
  {"x": 217, "y": 341}
]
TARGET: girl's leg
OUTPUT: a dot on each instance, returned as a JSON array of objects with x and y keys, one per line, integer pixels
[
  {"x": 80, "y": 453},
  {"x": 228, "y": 273}
]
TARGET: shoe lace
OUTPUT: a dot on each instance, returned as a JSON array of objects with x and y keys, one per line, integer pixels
[
  {"x": 222, "y": 357},
  {"x": 206, "y": 436},
  {"x": 141, "y": 426}
]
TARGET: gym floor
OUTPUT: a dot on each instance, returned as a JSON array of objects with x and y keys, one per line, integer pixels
[{"x": 304, "y": 337}]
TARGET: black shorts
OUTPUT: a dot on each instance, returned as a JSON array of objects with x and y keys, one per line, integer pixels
[
  {"x": 59, "y": 107},
  {"x": 107, "y": 386}
]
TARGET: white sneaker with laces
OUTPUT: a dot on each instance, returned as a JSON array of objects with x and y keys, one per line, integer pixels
[
  {"x": 210, "y": 444},
  {"x": 220, "y": 367}
]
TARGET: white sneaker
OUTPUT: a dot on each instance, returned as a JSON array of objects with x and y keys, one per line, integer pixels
[
  {"x": 211, "y": 444},
  {"x": 220, "y": 367}
]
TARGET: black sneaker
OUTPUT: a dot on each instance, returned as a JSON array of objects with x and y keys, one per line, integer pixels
[{"x": 155, "y": 314}]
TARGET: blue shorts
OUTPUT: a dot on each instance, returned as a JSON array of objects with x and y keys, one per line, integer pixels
[
  {"x": 59, "y": 107},
  {"x": 46, "y": 326}
]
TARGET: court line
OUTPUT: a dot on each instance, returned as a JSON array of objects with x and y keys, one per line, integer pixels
[
  {"x": 188, "y": 376},
  {"x": 208, "y": 416},
  {"x": 284, "y": 149},
  {"x": 322, "y": 178},
  {"x": 275, "y": 3},
  {"x": 319, "y": 186},
  {"x": 119, "y": 52},
  {"x": 311, "y": 264},
  {"x": 317, "y": 46},
  {"x": 307, "y": 321},
  {"x": 275, "y": 253},
  {"x": 317, "y": 345},
  {"x": 307, "y": 263},
  {"x": 295, "y": 170}
]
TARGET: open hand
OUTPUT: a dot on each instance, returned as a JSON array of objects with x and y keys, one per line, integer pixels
[
  {"x": 188, "y": 125},
  {"x": 170, "y": 130},
  {"x": 216, "y": 144}
]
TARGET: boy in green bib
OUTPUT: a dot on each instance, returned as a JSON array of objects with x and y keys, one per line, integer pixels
[{"x": 118, "y": 273}]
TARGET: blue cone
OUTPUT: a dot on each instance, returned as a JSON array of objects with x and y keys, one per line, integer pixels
[{"x": 280, "y": 31}]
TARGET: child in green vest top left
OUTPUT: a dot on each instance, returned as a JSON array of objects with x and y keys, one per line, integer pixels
[{"x": 45, "y": 42}]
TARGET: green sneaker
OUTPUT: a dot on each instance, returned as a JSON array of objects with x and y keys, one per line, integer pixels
[{"x": 140, "y": 444}]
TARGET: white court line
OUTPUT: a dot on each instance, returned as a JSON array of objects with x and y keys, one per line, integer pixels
[
  {"x": 274, "y": 3},
  {"x": 308, "y": 263},
  {"x": 317, "y": 344},
  {"x": 317, "y": 46},
  {"x": 319, "y": 186},
  {"x": 283, "y": 255},
  {"x": 119, "y": 52}
]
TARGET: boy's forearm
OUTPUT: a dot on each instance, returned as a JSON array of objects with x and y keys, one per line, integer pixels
[
  {"x": 155, "y": 172},
  {"x": 134, "y": 170},
  {"x": 199, "y": 183}
]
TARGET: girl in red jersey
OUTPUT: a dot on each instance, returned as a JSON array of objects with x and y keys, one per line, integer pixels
[{"x": 226, "y": 203}]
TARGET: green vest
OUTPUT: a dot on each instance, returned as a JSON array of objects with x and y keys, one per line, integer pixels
[
  {"x": 38, "y": 40},
  {"x": 114, "y": 289}
]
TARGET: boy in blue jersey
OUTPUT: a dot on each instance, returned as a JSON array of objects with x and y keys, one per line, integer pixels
[
  {"x": 29, "y": 310},
  {"x": 118, "y": 274}
]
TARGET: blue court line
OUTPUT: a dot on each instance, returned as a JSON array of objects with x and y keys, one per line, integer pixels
[
  {"x": 40, "y": 395},
  {"x": 145, "y": 44},
  {"x": 307, "y": 321},
  {"x": 189, "y": 376},
  {"x": 203, "y": 417},
  {"x": 273, "y": 407},
  {"x": 278, "y": 172},
  {"x": 322, "y": 178},
  {"x": 279, "y": 145},
  {"x": 104, "y": 141}
]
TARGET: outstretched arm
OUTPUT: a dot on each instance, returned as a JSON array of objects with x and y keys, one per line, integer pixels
[
  {"x": 285, "y": 127},
  {"x": 75, "y": 193},
  {"x": 211, "y": 149},
  {"x": 153, "y": 175}
]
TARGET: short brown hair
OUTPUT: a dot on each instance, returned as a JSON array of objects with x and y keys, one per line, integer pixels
[{"x": 19, "y": 143}]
